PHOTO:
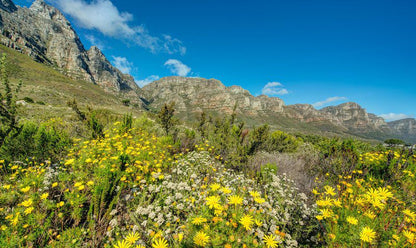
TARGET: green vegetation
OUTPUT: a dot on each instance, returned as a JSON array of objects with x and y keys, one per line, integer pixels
[{"x": 109, "y": 178}]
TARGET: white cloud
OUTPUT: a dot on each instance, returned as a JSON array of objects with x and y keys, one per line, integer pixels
[
  {"x": 177, "y": 67},
  {"x": 395, "y": 117},
  {"x": 122, "y": 64},
  {"x": 103, "y": 16},
  {"x": 329, "y": 100},
  {"x": 147, "y": 80},
  {"x": 273, "y": 89}
]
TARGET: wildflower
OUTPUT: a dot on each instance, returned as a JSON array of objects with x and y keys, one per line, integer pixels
[
  {"x": 225, "y": 190},
  {"x": 60, "y": 204},
  {"x": 370, "y": 214},
  {"x": 352, "y": 220},
  {"x": 326, "y": 213},
  {"x": 235, "y": 199},
  {"x": 160, "y": 243},
  {"x": 324, "y": 203},
  {"x": 213, "y": 201},
  {"x": 270, "y": 241},
  {"x": 199, "y": 220},
  {"x": 44, "y": 196},
  {"x": 254, "y": 194},
  {"x": 27, "y": 203},
  {"x": 201, "y": 238},
  {"x": 246, "y": 221},
  {"x": 214, "y": 187},
  {"x": 69, "y": 161},
  {"x": 410, "y": 214},
  {"x": 329, "y": 190},
  {"x": 367, "y": 234},
  {"x": 29, "y": 210},
  {"x": 132, "y": 237},
  {"x": 7, "y": 186},
  {"x": 26, "y": 189},
  {"x": 54, "y": 184},
  {"x": 332, "y": 236},
  {"x": 410, "y": 237},
  {"x": 259, "y": 200},
  {"x": 122, "y": 244}
]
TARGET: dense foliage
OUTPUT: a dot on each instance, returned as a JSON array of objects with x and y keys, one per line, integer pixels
[{"x": 136, "y": 183}]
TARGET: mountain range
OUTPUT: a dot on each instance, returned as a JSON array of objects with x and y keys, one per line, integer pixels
[{"x": 43, "y": 33}]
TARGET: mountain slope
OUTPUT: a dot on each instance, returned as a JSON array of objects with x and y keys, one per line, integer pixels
[
  {"x": 43, "y": 33},
  {"x": 51, "y": 90},
  {"x": 195, "y": 95}
]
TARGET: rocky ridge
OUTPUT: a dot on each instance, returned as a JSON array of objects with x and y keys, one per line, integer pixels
[
  {"x": 195, "y": 95},
  {"x": 43, "y": 33}
]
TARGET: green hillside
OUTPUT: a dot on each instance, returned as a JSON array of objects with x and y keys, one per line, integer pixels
[{"x": 50, "y": 90}]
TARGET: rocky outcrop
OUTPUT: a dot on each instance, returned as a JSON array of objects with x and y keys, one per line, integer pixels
[
  {"x": 43, "y": 33},
  {"x": 7, "y": 5},
  {"x": 404, "y": 129},
  {"x": 353, "y": 116},
  {"x": 198, "y": 94}
]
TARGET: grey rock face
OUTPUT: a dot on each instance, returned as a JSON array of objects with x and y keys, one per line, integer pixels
[
  {"x": 198, "y": 94},
  {"x": 354, "y": 116},
  {"x": 405, "y": 128},
  {"x": 7, "y": 5},
  {"x": 44, "y": 33}
]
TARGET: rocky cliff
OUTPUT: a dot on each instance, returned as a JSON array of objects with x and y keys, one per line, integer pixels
[
  {"x": 405, "y": 129},
  {"x": 194, "y": 95},
  {"x": 43, "y": 33}
]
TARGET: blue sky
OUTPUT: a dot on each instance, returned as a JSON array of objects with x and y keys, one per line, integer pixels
[{"x": 321, "y": 52}]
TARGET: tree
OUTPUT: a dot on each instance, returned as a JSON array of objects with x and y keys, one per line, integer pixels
[
  {"x": 166, "y": 117},
  {"x": 394, "y": 142},
  {"x": 8, "y": 107}
]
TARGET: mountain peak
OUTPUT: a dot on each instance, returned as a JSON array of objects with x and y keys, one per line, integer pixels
[
  {"x": 7, "y": 5},
  {"x": 41, "y": 8}
]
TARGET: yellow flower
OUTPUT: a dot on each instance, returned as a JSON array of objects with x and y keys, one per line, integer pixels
[
  {"x": 326, "y": 213},
  {"x": 225, "y": 190},
  {"x": 44, "y": 196},
  {"x": 259, "y": 200},
  {"x": 235, "y": 199},
  {"x": 199, "y": 220},
  {"x": 26, "y": 189},
  {"x": 201, "y": 238},
  {"x": 29, "y": 210},
  {"x": 213, "y": 201},
  {"x": 60, "y": 204},
  {"x": 247, "y": 221},
  {"x": 352, "y": 220},
  {"x": 27, "y": 203},
  {"x": 89, "y": 183},
  {"x": 367, "y": 234},
  {"x": 132, "y": 237},
  {"x": 254, "y": 194},
  {"x": 7, "y": 186},
  {"x": 122, "y": 244},
  {"x": 69, "y": 161},
  {"x": 270, "y": 241},
  {"x": 215, "y": 186},
  {"x": 329, "y": 190},
  {"x": 160, "y": 243},
  {"x": 370, "y": 214},
  {"x": 410, "y": 237},
  {"x": 54, "y": 184}
]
